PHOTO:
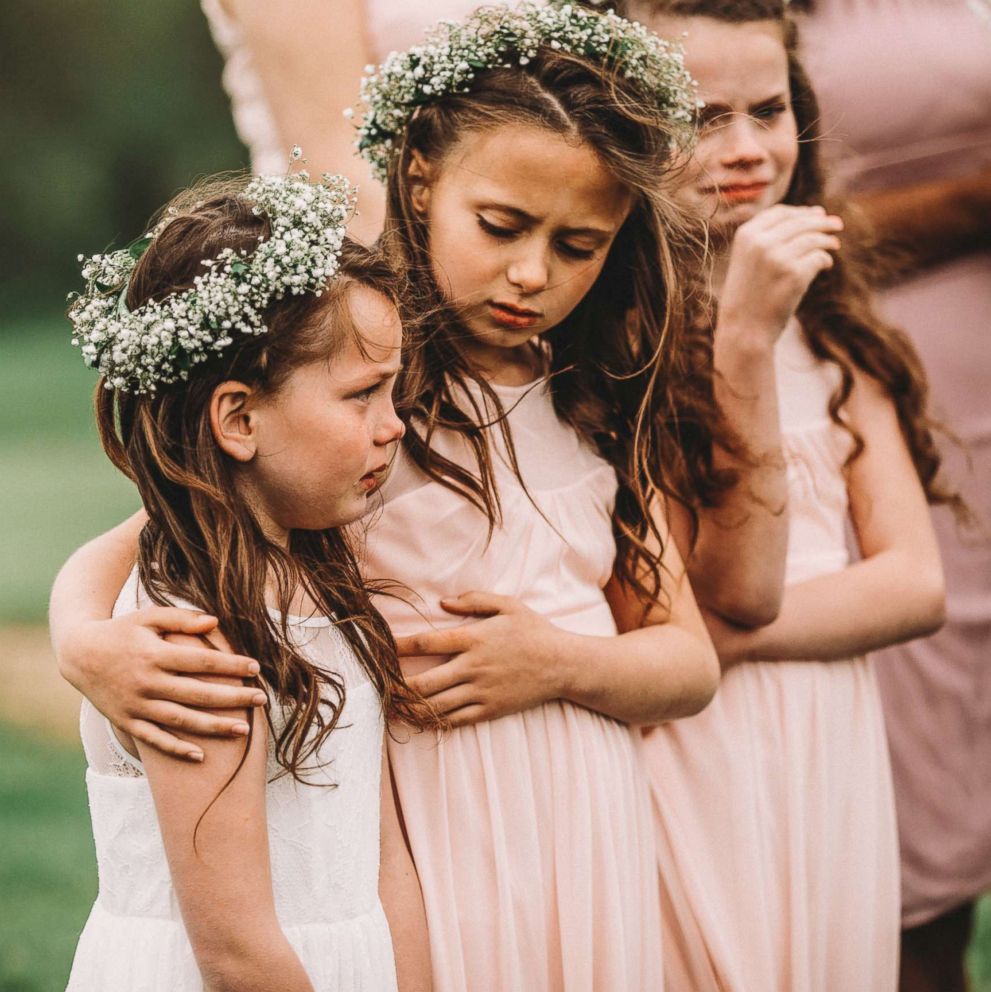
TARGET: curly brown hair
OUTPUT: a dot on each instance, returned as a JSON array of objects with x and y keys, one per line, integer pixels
[
  {"x": 624, "y": 372},
  {"x": 837, "y": 314},
  {"x": 202, "y": 542}
]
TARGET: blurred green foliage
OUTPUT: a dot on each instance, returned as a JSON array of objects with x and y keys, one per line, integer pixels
[
  {"x": 108, "y": 109},
  {"x": 59, "y": 489}
]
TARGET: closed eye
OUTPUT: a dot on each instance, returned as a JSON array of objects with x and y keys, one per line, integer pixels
[
  {"x": 503, "y": 233},
  {"x": 572, "y": 252}
]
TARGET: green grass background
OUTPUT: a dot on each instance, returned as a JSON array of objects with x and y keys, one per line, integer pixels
[{"x": 57, "y": 490}]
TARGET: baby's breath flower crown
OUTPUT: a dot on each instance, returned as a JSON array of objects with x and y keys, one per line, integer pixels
[
  {"x": 159, "y": 342},
  {"x": 500, "y": 37}
]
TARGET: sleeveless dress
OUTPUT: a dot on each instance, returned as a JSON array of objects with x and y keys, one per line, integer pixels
[
  {"x": 324, "y": 845},
  {"x": 914, "y": 109},
  {"x": 532, "y": 833},
  {"x": 391, "y": 24},
  {"x": 773, "y": 807}
]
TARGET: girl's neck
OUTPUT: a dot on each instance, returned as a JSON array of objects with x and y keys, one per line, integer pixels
[{"x": 507, "y": 366}]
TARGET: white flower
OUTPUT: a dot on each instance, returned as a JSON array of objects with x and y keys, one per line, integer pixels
[
  {"x": 153, "y": 345},
  {"x": 454, "y": 52}
]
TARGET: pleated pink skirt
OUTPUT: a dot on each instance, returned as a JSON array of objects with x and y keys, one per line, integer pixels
[
  {"x": 776, "y": 835},
  {"x": 533, "y": 838}
]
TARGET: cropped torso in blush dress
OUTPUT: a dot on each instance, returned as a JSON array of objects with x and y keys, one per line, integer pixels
[
  {"x": 905, "y": 89},
  {"x": 391, "y": 24},
  {"x": 532, "y": 833},
  {"x": 773, "y": 807}
]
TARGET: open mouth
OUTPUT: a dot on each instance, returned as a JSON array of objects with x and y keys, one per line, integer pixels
[{"x": 372, "y": 480}]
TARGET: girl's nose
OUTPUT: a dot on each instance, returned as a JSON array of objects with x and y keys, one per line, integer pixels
[
  {"x": 528, "y": 270},
  {"x": 390, "y": 428},
  {"x": 741, "y": 143}
]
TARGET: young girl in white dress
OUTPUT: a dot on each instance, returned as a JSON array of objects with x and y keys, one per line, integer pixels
[
  {"x": 553, "y": 410},
  {"x": 248, "y": 357},
  {"x": 774, "y": 809}
]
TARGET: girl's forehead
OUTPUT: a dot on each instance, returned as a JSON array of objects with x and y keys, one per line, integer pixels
[
  {"x": 540, "y": 173},
  {"x": 732, "y": 63}
]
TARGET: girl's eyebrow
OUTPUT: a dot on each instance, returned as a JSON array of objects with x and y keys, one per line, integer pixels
[
  {"x": 372, "y": 378},
  {"x": 712, "y": 109},
  {"x": 524, "y": 218}
]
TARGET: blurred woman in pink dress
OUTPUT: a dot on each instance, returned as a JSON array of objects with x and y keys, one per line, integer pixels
[
  {"x": 292, "y": 68},
  {"x": 908, "y": 123}
]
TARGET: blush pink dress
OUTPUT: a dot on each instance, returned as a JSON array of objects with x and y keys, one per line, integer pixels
[
  {"x": 915, "y": 109},
  {"x": 773, "y": 807},
  {"x": 532, "y": 833}
]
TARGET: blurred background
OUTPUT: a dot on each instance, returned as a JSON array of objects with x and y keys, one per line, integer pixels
[{"x": 111, "y": 108}]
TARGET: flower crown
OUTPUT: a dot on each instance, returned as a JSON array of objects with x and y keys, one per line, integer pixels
[
  {"x": 501, "y": 37},
  {"x": 159, "y": 342}
]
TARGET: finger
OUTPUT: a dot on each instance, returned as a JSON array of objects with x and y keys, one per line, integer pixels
[
  {"x": 429, "y": 642},
  {"x": 782, "y": 213},
  {"x": 803, "y": 223},
  {"x": 453, "y": 699},
  {"x": 174, "y": 620},
  {"x": 206, "y": 661},
  {"x": 479, "y": 604},
  {"x": 467, "y": 715},
  {"x": 814, "y": 241},
  {"x": 816, "y": 262},
  {"x": 162, "y": 741},
  {"x": 437, "y": 679},
  {"x": 209, "y": 695},
  {"x": 171, "y": 716}
]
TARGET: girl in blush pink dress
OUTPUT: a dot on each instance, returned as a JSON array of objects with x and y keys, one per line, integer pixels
[
  {"x": 538, "y": 602},
  {"x": 914, "y": 148},
  {"x": 774, "y": 808}
]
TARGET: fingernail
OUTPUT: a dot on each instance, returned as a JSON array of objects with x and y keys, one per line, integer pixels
[
  {"x": 259, "y": 699},
  {"x": 240, "y": 729},
  {"x": 254, "y": 668},
  {"x": 195, "y": 755}
]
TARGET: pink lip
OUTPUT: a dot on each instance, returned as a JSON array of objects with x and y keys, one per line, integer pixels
[
  {"x": 372, "y": 480},
  {"x": 740, "y": 192},
  {"x": 510, "y": 315}
]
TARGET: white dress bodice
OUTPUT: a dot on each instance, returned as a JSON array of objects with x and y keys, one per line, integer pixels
[{"x": 323, "y": 843}]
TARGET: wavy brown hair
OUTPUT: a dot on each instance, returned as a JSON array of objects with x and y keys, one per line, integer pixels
[
  {"x": 623, "y": 370},
  {"x": 837, "y": 313},
  {"x": 202, "y": 542}
]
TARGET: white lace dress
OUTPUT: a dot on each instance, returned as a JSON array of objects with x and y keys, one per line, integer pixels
[{"x": 324, "y": 845}]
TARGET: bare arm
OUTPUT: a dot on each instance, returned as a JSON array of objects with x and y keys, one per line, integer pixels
[
  {"x": 310, "y": 55},
  {"x": 223, "y": 881},
  {"x": 737, "y": 564},
  {"x": 895, "y": 593},
  {"x": 399, "y": 890},
  {"x": 927, "y": 223},
  {"x": 661, "y": 666},
  {"x": 126, "y": 667}
]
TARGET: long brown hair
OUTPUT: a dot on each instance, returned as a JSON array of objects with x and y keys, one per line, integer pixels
[
  {"x": 837, "y": 314},
  {"x": 623, "y": 372},
  {"x": 202, "y": 542}
]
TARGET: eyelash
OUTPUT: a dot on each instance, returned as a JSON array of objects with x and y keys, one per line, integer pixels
[
  {"x": 769, "y": 112},
  {"x": 507, "y": 233}
]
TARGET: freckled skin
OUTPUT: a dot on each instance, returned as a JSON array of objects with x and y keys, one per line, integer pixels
[{"x": 329, "y": 425}]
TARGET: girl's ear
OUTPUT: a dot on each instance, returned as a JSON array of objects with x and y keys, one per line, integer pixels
[
  {"x": 233, "y": 421},
  {"x": 420, "y": 176}
]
